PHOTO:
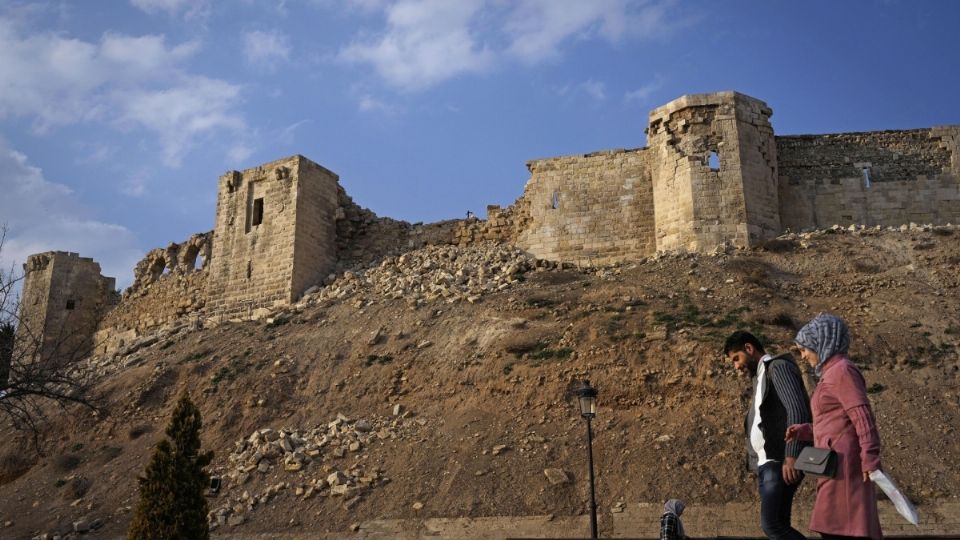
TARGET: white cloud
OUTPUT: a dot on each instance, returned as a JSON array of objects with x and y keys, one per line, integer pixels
[
  {"x": 425, "y": 42},
  {"x": 265, "y": 49},
  {"x": 238, "y": 154},
  {"x": 367, "y": 5},
  {"x": 135, "y": 183},
  {"x": 142, "y": 57},
  {"x": 537, "y": 28},
  {"x": 368, "y": 103},
  {"x": 192, "y": 9},
  {"x": 595, "y": 89},
  {"x": 94, "y": 152},
  {"x": 288, "y": 134},
  {"x": 362, "y": 6},
  {"x": 127, "y": 81},
  {"x": 182, "y": 115},
  {"x": 47, "y": 77},
  {"x": 643, "y": 94},
  {"x": 42, "y": 216}
]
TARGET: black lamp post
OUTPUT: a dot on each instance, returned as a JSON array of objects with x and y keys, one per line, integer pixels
[{"x": 587, "y": 396}]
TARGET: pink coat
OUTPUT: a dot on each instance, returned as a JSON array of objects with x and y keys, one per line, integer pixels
[{"x": 845, "y": 505}]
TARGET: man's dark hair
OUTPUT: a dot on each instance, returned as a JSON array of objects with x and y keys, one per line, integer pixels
[{"x": 738, "y": 340}]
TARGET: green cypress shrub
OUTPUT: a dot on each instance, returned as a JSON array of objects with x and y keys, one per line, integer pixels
[{"x": 172, "y": 504}]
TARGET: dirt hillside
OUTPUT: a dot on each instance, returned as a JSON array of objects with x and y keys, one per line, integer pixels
[{"x": 376, "y": 406}]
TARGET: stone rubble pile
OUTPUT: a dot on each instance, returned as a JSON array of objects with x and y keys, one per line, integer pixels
[
  {"x": 434, "y": 273},
  {"x": 858, "y": 229},
  {"x": 72, "y": 530},
  {"x": 440, "y": 272},
  {"x": 135, "y": 352},
  {"x": 309, "y": 457}
]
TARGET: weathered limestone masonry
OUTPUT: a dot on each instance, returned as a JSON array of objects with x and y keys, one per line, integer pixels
[
  {"x": 502, "y": 224},
  {"x": 275, "y": 235},
  {"x": 698, "y": 204},
  {"x": 590, "y": 209},
  {"x": 169, "y": 284},
  {"x": 713, "y": 174},
  {"x": 878, "y": 178},
  {"x": 64, "y": 298},
  {"x": 615, "y": 205}
]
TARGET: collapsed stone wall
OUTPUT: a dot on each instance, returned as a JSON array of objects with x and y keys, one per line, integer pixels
[
  {"x": 364, "y": 238},
  {"x": 169, "y": 283},
  {"x": 502, "y": 225},
  {"x": 175, "y": 259},
  {"x": 872, "y": 178}
]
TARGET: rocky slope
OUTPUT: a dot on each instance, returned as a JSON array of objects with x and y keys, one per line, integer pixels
[{"x": 439, "y": 384}]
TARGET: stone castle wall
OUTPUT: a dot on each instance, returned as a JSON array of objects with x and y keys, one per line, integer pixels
[
  {"x": 875, "y": 178},
  {"x": 588, "y": 209},
  {"x": 175, "y": 283},
  {"x": 315, "y": 234},
  {"x": 713, "y": 174},
  {"x": 169, "y": 284}
]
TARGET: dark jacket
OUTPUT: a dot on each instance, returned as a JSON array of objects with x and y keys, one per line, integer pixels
[
  {"x": 784, "y": 402},
  {"x": 670, "y": 527}
]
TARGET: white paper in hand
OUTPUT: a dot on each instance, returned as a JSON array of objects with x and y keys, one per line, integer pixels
[{"x": 900, "y": 502}]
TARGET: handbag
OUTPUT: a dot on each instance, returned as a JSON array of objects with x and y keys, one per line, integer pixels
[
  {"x": 821, "y": 462},
  {"x": 815, "y": 461}
]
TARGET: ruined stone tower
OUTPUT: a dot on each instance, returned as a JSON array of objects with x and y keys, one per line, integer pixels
[
  {"x": 275, "y": 235},
  {"x": 64, "y": 296},
  {"x": 714, "y": 172}
]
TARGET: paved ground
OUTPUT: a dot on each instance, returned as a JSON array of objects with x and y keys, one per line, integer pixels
[{"x": 729, "y": 522}]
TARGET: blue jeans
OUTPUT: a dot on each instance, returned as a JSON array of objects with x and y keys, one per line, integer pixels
[{"x": 776, "y": 503}]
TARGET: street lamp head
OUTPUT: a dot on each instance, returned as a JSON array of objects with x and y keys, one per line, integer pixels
[{"x": 587, "y": 396}]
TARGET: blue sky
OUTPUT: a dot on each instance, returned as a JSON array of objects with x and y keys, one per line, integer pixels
[{"x": 118, "y": 116}]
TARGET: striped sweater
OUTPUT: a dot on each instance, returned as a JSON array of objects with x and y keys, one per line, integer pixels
[{"x": 784, "y": 402}]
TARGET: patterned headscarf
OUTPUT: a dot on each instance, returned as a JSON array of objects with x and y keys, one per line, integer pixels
[
  {"x": 675, "y": 507},
  {"x": 825, "y": 335}
]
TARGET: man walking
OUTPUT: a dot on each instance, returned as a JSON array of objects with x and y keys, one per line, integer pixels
[{"x": 779, "y": 400}]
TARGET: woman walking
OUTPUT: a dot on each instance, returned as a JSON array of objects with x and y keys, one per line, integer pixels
[{"x": 846, "y": 505}]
